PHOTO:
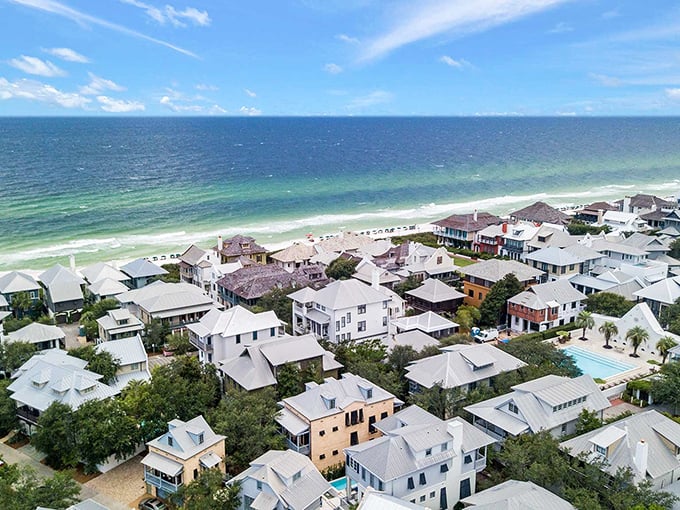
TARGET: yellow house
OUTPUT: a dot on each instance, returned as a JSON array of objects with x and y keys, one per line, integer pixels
[
  {"x": 480, "y": 277},
  {"x": 328, "y": 417},
  {"x": 178, "y": 456}
]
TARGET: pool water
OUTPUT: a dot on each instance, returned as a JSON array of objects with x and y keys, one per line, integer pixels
[
  {"x": 596, "y": 365},
  {"x": 340, "y": 484}
]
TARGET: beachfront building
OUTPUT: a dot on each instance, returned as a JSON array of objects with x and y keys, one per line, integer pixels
[
  {"x": 429, "y": 323},
  {"x": 294, "y": 256},
  {"x": 106, "y": 289},
  {"x": 545, "y": 306},
  {"x": 142, "y": 272},
  {"x": 133, "y": 362},
  {"x": 222, "y": 334},
  {"x": 63, "y": 291},
  {"x": 671, "y": 224},
  {"x": 325, "y": 418},
  {"x": 195, "y": 266},
  {"x": 646, "y": 443},
  {"x": 480, "y": 277},
  {"x": 435, "y": 296},
  {"x": 174, "y": 304},
  {"x": 420, "y": 459},
  {"x": 459, "y": 230},
  {"x": 178, "y": 456},
  {"x": 516, "y": 495},
  {"x": 258, "y": 365},
  {"x": 539, "y": 213},
  {"x": 117, "y": 324},
  {"x": 643, "y": 203},
  {"x": 232, "y": 249},
  {"x": 16, "y": 282},
  {"x": 550, "y": 403},
  {"x": 551, "y": 235},
  {"x": 53, "y": 376},
  {"x": 593, "y": 213},
  {"x": 282, "y": 480},
  {"x": 424, "y": 262},
  {"x": 247, "y": 285},
  {"x": 43, "y": 336},
  {"x": 343, "y": 310},
  {"x": 516, "y": 238},
  {"x": 461, "y": 366},
  {"x": 102, "y": 271}
]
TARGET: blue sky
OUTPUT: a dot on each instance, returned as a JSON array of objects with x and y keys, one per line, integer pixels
[{"x": 339, "y": 57}]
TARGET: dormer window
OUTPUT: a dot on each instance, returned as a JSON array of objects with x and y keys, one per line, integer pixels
[
  {"x": 171, "y": 442},
  {"x": 297, "y": 476},
  {"x": 513, "y": 408},
  {"x": 200, "y": 438},
  {"x": 428, "y": 452},
  {"x": 601, "y": 450}
]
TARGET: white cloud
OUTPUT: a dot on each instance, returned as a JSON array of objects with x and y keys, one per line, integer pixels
[
  {"x": 614, "y": 13},
  {"x": 67, "y": 54},
  {"x": 98, "y": 85},
  {"x": 250, "y": 93},
  {"x": 170, "y": 102},
  {"x": 168, "y": 14},
  {"x": 374, "y": 98},
  {"x": 119, "y": 106},
  {"x": 205, "y": 86},
  {"x": 32, "y": 90},
  {"x": 460, "y": 63},
  {"x": 347, "y": 39},
  {"x": 607, "y": 81},
  {"x": 33, "y": 65},
  {"x": 561, "y": 28},
  {"x": 84, "y": 19},
  {"x": 251, "y": 112},
  {"x": 422, "y": 20},
  {"x": 332, "y": 68},
  {"x": 673, "y": 94}
]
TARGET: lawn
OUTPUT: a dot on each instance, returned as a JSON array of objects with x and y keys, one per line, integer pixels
[{"x": 463, "y": 261}]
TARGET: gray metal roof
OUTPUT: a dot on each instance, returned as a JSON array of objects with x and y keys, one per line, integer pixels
[
  {"x": 666, "y": 291},
  {"x": 493, "y": 270},
  {"x": 428, "y": 322},
  {"x": 343, "y": 294},
  {"x": 162, "y": 464},
  {"x": 373, "y": 500},
  {"x": 652, "y": 427},
  {"x": 461, "y": 364},
  {"x": 185, "y": 443},
  {"x": 234, "y": 321},
  {"x": 192, "y": 255},
  {"x": 107, "y": 287},
  {"x": 142, "y": 268},
  {"x": 126, "y": 350},
  {"x": 558, "y": 291},
  {"x": 555, "y": 256},
  {"x": 413, "y": 338},
  {"x": 435, "y": 291},
  {"x": 514, "y": 495},
  {"x": 62, "y": 284},
  {"x": 36, "y": 333},
  {"x": 101, "y": 271},
  {"x": 590, "y": 282},
  {"x": 16, "y": 281}
]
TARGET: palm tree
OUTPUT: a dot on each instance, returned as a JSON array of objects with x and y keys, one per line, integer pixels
[
  {"x": 608, "y": 330},
  {"x": 664, "y": 345},
  {"x": 636, "y": 335},
  {"x": 585, "y": 320}
]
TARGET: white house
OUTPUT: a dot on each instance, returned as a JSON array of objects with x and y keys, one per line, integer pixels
[
  {"x": 221, "y": 334},
  {"x": 343, "y": 310},
  {"x": 516, "y": 495},
  {"x": 133, "y": 362},
  {"x": 43, "y": 336},
  {"x": 420, "y": 459},
  {"x": 117, "y": 324},
  {"x": 620, "y": 221}
]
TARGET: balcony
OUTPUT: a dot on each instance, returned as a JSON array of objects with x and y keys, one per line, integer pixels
[
  {"x": 161, "y": 482},
  {"x": 201, "y": 344},
  {"x": 28, "y": 415},
  {"x": 303, "y": 449}
]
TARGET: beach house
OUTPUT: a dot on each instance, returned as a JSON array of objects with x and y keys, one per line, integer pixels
[
  {"x": 133, "y": 362},
  {"x": 539, "y": 213},
  {"x": 420, "y": 459},
  {"x": 117, "y": 324},
  {"x": 142, "y": 272},
  {"x": 325, "y": 418},
  {"x": 480, "y": 277},
  {"x": 435, "y": 296},
  {"x": 43, "y": 336},
  {"x": 516, "y": 495},
  {"x": 232, "y": 249},
  {"x": 459, "y": 230},
  {"x": 16, "y": 282}
]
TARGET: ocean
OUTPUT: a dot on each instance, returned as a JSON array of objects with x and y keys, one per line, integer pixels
[{"x": 119, "y": 188}]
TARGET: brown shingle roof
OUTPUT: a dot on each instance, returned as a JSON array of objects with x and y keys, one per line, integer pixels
[
  {"x": 241, "y": 245},
  {"x": 254, "y": 281},
  {"x": 650, "y": 201},
  {"x": 467, "y": 222},
  {"x": 540, "y": 212},
  {"x": 596, "y": 206}
]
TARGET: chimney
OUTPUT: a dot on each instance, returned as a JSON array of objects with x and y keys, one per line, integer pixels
[
  {"x": 626, "y": 204},
  {"x": 504, "y": 227},
  {"x": 474, "y": 215},
  {"x": 640, "y": 458},
  {"x": 455, "y": 428},
  {"x": 375, "y": 278},
  {"x": 600, "y": 216},
  {"x": 72, "y": 262},
  {"x": 220, "y": 245}
]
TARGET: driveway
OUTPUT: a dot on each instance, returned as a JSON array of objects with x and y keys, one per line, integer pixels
[{"x": 124, "y": 484}]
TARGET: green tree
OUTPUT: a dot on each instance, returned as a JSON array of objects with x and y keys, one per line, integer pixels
[
  {"x": 467, "y": 317},
  {"x": 494, "y": 307},
  {"x": 247, "y": 414},
  {"x": 608, "y": 303},
  {"x": 312, "y": 372},
  {"x": 88, "y": 319},
  {"x": 12, "y": 324},
  {"x": 22, "y": 489},
  {"x": 674, "y": 249},
  {"x": 8, "y": 410},
  {"x": 288, "y": 380},
  {"x": 584, "y": 320},
  {"x": 636, "y": 336},
  {"x": 535, "y": 458},
  {"x": 608, "y": 330},
  {"x": 587, "y": 421},
  {"x": 437, "y": 400},
  {"x": 172, "y": 276},
  {"x": 21, "y": 304},
  {"x": 208, "y": 492},
  {"x": 98, "y": 360},
  {"x": 665, "y": 344},
  {"x": 669, "y": 317},
  {"x": 543, "y": 358},
  {"x": 409, "y": 283},
  {"x": 155, "y": 333},
  {"x": 341, "y": 268},
  {"x": 277, "y": 301},
  {"x": 455, "y": 339},
  {"x": 179, "y": 343},
  {"x": 666, "y": 387},
  {"x": 15, "y": 354},
  {"x": 56, "y": 436}
]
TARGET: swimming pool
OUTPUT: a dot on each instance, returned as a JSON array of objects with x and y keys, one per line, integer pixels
[
  {"x": 596, "y": 365},
  {"x": 340, "y": 484}
]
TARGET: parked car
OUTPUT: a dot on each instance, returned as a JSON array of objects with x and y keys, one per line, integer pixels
[
  {"x": 152, "y": 504},
  {"x": 485, "y": 335}
]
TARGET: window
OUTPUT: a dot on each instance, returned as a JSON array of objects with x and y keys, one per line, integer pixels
[
  {"x": 342, "y": 321},
  {"x": 422, "y": 498},
  {"x": 335, "y": 429},
  {"x": 259, "y": 485},
  {"x": 428, "y": 452},
  {"x": 385, "y": 303},
  {"x": 383, "y": 415},
  {"x": 349, "y": 317},
  {"x": 369, "y": 393},
  {"x": 385, "y": 321},
  {"x": 422, "y": 480},
  {"x": 254, "y": 335},
  {"x": 353, "y": 438},
  {"x": 361, "y": 309},
  {"x": 297, "y": 476},
  {"x": 409, "y": 483},
  {"x": 443, "y": 468},
  {"x": 445, "y": 446},
  {"x": 200, "y": 438},
  {"x": 195, "y": 474},
  {"x": 371, "y": 421},
  {"x": 601, "y": 450},
  {"x": 322, "y": 433},
  {"x": 335, "y": 452},
  {"x": 513, "y": 408},
  {"x": 432, "y": 494},
  {"x": 238, "y": 339},
  {"x": 272, "y": 331},
  {"x": 468, "y": 459},
  {"x": 170, "y": 441},
  {"x": 479, "y": 296},
  {"x": 465, "y": 488},
  {"x": 361, "y": 326},
  {"x": 363, "y": 473},
  {"x": 337, "y": 324},
  {"x": 380, "y": 485},
  {"x": 564, "y": 428},
  {"x": 471, "y": 293},
  {"x": 322, "y": 456}
]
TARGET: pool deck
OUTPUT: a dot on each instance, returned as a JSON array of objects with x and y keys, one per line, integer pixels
[{"x": 595, "y": 342}]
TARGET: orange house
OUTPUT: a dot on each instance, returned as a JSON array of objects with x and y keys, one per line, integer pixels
[{"x": 480, "y": 277}]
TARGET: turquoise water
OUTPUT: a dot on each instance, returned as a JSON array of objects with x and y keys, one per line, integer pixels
[
  {"x": 596, "y": 365},
  {"x": 119, "y": 188},
  {"x": 340, "y": 484}
]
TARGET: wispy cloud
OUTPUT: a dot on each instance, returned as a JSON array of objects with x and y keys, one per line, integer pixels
[
  {"x": 111, "y": 105},
  {"x": 458, "y": 64},
  {"x": 98, "y": 85},
  {"x": 67, "y": 54},
  {"x": 561, "y": 28},
  {"x": 614, "y": 13},
  {"x": 250, "y": 93},
  {"x": 374, "y": 98},
  {"x": 607, "y": 81},
  {"x": 205, "y": 86},
  {"x": 673, "y": 94},
  {"x": 168, "y": 14},
  {"x": 347, "y": 39},
  {"x": 332, "y": 68},
  {"x": 34, "y": 65},
  {"x": 32, "y": 90},
  {"x": 250, "y": 111},
  {"x": 422, "y": 20},
  {"x": 63, "y": 10},
  {"x": 178, "y": 102}
]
